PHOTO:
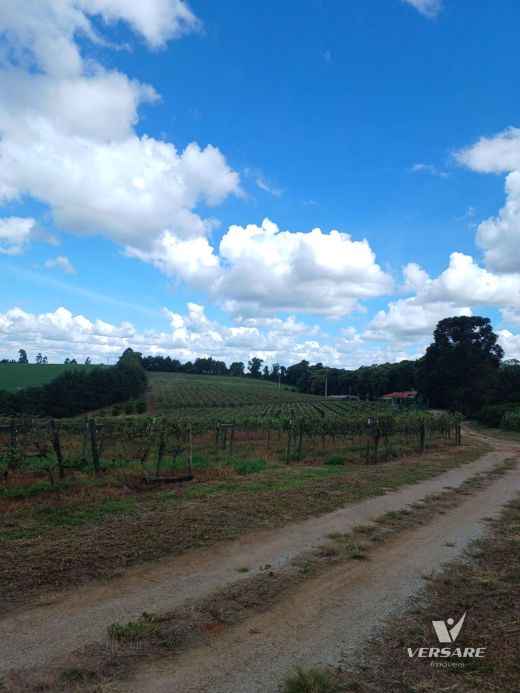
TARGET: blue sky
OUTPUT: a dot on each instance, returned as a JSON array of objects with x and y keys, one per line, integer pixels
[{"x": 143, "y": 145}]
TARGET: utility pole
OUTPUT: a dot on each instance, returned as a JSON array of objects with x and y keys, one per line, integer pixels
[
  {"x": 326, "y": 385},
  {"x": 280, "y": 380}
]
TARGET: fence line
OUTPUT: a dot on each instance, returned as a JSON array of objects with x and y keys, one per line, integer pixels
[{"x": 94, "y": 444}]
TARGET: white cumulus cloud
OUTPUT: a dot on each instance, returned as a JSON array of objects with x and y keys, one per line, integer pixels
[
  {"x": 411, "y": 320},
  {"x": 267, "y": 269},
  {"x": 44, "y": 32},
  {"x": 186, "y": 336},
  {"x": 497, "y": 154},
  {"x": 499, "y": 236},
  {"x": 464, "y": 283},
  {"x": 130, "y": 190},
  {"x": 510, "y": 343},
  {"x": 67, "y": 128}
]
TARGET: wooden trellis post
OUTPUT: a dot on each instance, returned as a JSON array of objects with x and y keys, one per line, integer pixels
[
  {"x": 190, "y": 448},
  {"x": 95, "y": 451},
  {"x": 369, "y": 441},
  {"x": 162, "y": 445},
  {"x": 217, "y": 439},
  {"x": 14, "y": 436},
  {"x": 224, "y": 438},
  {"x": 57, "y": 448},
  {"x": 86, "y": 433},
  {"x": 423, "y": 436},
  {"x": 148, "y": 443},
  {"x": 289, "y": 437},
  {"x": 231, "y": 440},
  {"x": 300, "y": 441},
  {"x": 376, "y": 445}
]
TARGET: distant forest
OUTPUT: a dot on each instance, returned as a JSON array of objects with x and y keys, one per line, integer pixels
[
  {"x": 367, "y": 381},
  {"x": 463, "y": 369}
]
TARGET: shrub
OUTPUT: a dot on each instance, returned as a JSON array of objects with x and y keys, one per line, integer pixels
[
  {"x": 312, "y": 681},
  {"x": 130, "y": 407},
  {"x": 140, "y": 406},
  {"x": 116, "y": 410},
  {"x": 335, "y": 459},
  {"x": 492, "y": 414},
  {"x": 77, "y": 391},
  {"x": 511, "y": 421}
]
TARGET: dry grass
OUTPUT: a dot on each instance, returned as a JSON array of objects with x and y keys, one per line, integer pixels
[
  {"x": 486, "y": 585},
  {"x": 59, "y": 542}
]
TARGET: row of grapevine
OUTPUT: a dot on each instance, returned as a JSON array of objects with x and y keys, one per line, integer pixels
[
  {"x": 185, "y": 396},
  {"x": 293, "y": 432}
]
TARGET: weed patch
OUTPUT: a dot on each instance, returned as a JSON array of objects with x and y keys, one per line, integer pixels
[
  {"x": 250, "y": 466},
  {"x": 144, "y": 627},
  {"x": 312, "y": 681},
  {"x": 71, "y": 515}
]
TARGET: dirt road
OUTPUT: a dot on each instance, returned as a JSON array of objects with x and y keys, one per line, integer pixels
[
  {"x": 29, "y": 637},
  {"x": 325, "y": 619},
  {"x": 366, "y": 591}
]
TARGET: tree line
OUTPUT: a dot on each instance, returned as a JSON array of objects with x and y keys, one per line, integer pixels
[
  {"x": 462, "y": 370},
  {"x": 74, "y": 391},
  {"x": 41, "y": 359},
  {"x": 367, "y": 381}
]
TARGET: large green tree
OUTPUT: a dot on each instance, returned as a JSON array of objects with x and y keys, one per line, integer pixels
[
  {"x": 254, "y": 366},
  {"x": 461, "y": 367},
  {"x": 237, "y": 369}
]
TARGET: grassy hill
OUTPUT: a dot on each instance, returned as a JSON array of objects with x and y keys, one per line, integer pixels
[{"x": 16, "y": 376}]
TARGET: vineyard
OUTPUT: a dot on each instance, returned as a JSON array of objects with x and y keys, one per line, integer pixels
[
  {"x": 177, "y": 391},
  {"x": 118, "y": 490},
  {"x": 311, "y": 432}
]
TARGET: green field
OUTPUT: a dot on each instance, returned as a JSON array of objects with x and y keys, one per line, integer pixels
[{"x": 16, "y": 376}]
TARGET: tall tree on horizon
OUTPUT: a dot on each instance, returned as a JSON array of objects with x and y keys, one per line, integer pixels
[
  {"x": 254, "y": 366},
  {"x": 460, "y": 369}
]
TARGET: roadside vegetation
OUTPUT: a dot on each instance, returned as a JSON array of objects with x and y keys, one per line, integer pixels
[
  {"x": 498, "y": 433},
  {"x": 99, "y": 525},
  {"x": 485, "y": 585},
  {"x": 153, "y": 636}
]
